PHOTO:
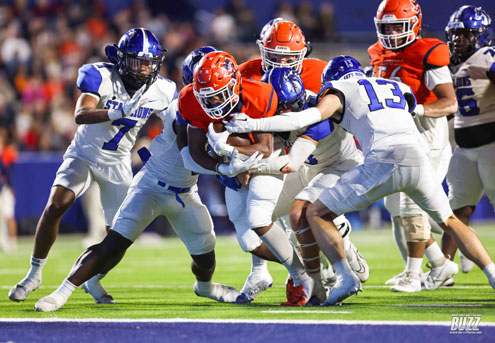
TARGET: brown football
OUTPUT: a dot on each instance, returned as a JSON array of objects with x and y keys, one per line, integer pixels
[{"x": 235, "y": 139}]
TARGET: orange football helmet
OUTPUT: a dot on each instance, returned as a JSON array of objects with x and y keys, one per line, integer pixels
[
  {"x": 283, "y": 45},
  {"x": 398, "y": 12},
  {"x": 217, "y": 84}
]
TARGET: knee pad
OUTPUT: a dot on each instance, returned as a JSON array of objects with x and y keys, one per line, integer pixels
[
  {"x": 248, "y": 240},
  {"x": 416, "y": 229}
]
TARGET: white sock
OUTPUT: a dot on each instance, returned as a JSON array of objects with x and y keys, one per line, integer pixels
[
  {"x": 36, "y": 268},
  {"x": 413, "y": 264},
  {"x": 258, "y": 264},
  {"x": 342, "y": 267},
  {"x": 204, "y": 286},
  {"x": 489, "y": 270},
  {"x": 65, "y": 290},
  {"x": 435, "y": 255},
  {"x": 276, "y": 240}
]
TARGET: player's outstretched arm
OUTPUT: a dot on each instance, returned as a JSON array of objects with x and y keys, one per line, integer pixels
[{"x": 327, "y": 107}]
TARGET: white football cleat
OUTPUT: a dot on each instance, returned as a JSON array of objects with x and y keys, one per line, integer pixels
[
  {"x": 346, "y": 286},
  {"x": 255, "y": 284},
  {"x": 218, "y": 292},
  {"x": 394, "y": 280},
  {"x": 20, "y": 291},
  {"x": 358, "y": 264},
  {"x": 409, "y": 283},
  {"x": 439, "y": 275},
  {"x": 49, "y": 303},
  {"x": 466, "y": 263},
  {"x": 94, "y": 287}
]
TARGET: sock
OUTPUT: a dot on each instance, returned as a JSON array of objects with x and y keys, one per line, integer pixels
[
  {"x": 258, "y": 264},
  {"x": 36, "y": 268},
  {"x": 413, "y": 264},
  {"x": 489, "y": 270},
  {"x": 64, "y": 291},
  {"x": 435, "y": 255},
  {"x": 204, "y": 286},
  {"x": 276, "y": 240},
  {"x": 400, "y": 239},
  {"x": 342, "y": 267}
]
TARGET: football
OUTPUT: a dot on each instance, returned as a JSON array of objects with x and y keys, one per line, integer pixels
[{"x": 235, "y": 139}]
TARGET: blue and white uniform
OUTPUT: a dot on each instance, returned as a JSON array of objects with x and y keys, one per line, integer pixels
[
  {"x": 165, "y": 187},
  {"x": 472, "y": 168},
  {"x": 376, "y": 113},
  {"x": 102, "y": 152}
]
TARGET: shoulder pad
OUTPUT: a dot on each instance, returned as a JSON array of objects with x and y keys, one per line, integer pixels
[{"x": 89, "y": 78}]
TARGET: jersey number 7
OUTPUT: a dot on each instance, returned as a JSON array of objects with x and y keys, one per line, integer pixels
[{"x": 128, "y": 124}]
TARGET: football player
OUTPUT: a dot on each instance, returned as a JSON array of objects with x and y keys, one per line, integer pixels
[
  {"x": 472, "y": 167},
  {"x": 117, "y": 98},
  {"x": 162, "y": 187},
  {"x": 421, "y": 63},
  {"x": 215, "y": 93},
  {"x": 377, "y": 112},
  {"x": 318, "y": 156}
]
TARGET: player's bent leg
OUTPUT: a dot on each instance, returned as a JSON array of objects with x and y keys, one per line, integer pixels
[
  {"x": 92, "y": 260},
  {"x": 58, "y": 203},
  {"x": 203, "y": 267}
]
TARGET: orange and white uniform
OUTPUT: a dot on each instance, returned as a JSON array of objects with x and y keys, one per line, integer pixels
[
  {"x": 422, "y": 65},
  {"x": 253, "y": 207},
  {"x": 310, "y": 73}
]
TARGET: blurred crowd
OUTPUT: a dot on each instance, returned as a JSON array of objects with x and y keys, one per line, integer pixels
[{"x": 43, "y": 43}]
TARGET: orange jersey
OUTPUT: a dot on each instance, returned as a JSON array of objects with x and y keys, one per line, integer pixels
[
  {"x": 257, "y": 100},
  {"x": 310, "y": 75},
  {"x": 409, "y": 64}
]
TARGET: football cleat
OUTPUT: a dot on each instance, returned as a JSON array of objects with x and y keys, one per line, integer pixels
[
  {"x": 94, "y": 287},
  {"x": 218, "y": 292},
  {"x": 449, "y": 283},
  {"x": 254, "y": 285},
  {"x": 358, "y": 264},
  {"x": 395, "y": 279},
  {"x": 466, "y": 264},
  {"x": 301, "y": 294},
  {"x": 439, "y": 275},
  {"x": 409, "y": 283},
  {"x": 20, "y": 291},
  {"x": 49, "y": 303},
  {"x": 346, "y": 286}
]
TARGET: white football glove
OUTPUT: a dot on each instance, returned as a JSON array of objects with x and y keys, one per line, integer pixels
[
  {"x": 237, "y": 166},
  {"x": 218, "y": 141},
  {"x": 241, "y": 123},
  {"x": 128, "y": 107}
]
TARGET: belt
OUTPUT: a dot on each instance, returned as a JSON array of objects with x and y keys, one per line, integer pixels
[{"x": 176, "y": 190}]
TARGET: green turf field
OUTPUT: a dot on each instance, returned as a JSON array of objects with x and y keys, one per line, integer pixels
[{"x": 154, "y": 281}]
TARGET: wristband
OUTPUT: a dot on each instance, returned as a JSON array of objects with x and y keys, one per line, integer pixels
[
  {"x": 419, "y": 110},
  {"x": 115, "y": 114},
  {"x": 217, "y": 168}
]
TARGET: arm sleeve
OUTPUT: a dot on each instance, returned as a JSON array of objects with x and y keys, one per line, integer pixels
[
  {"x": 289, "y": 121},
  {"x": 299, "y": 152},
  {"x": 193, "y": 166},
  {"x": 437, "y": 76}
]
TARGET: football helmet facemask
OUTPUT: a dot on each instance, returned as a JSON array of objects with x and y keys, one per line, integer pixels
[
  {"x": 217, "y": 84},
  {"x": 398, "y": 23},
  {"x": 469, "y": 29},
  {"x": 283, "y": 45}
]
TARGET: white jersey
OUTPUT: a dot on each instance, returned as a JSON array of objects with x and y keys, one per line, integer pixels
[
  {"x": 476, "y": 97},
  {"x": 166, "y": 162},
  {"x": 334, "y": 143},
  {"x": 376, "y": 113},
  {"x": 111, "y": 142}
]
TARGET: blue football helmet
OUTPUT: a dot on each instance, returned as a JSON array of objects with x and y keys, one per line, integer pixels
[
  {"x": 342, "y": 67},
  {"x": 138, "y": 57},
  {"x": 289, "y": 87},
  {"x": 469, "y": 29},
  {"x": 190, "y": 62},
  {"x": 265, "y": 28}
]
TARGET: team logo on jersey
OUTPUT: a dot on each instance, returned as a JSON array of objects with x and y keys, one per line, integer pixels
[{"x": 465, "y": 323}]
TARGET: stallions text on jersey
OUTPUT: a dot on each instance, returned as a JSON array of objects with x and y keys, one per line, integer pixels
[
  {"x": 111, "y": 142},
  {"x": 474, "y": 123}
]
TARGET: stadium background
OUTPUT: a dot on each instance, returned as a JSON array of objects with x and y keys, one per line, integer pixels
[{"x": 43, "y": 43}]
